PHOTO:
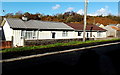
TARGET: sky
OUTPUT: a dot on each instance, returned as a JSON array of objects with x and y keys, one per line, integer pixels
[
  {"x": 58, "y": 0},
  {"x": 52, "y": 8}
]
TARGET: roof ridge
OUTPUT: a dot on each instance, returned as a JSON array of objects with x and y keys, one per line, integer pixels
[{"x": 46, "y": 21}]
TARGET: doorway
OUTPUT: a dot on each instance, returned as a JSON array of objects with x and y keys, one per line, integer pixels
[{"x": 53, "y": 34}]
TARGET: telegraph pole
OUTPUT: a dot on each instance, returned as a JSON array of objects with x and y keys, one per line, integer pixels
[{"x": 85, "y": 22}]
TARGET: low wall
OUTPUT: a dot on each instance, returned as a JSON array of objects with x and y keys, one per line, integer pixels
[{"x": 48, "y": 41}]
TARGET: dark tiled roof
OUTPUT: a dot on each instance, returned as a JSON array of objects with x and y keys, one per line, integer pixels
[{"x": 79, "y": 27}]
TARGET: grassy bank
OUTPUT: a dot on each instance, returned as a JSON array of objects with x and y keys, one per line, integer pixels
[{"x": 53, "y": 45}]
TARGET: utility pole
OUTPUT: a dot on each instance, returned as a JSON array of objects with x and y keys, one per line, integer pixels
[{"x": 85, "y": 22}]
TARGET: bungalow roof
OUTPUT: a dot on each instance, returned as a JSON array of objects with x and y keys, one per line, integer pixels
[
  {"x": 78, "y": 26},
  {"x": 36, "y": 24}
]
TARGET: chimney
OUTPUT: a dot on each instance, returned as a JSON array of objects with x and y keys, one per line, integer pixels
[{"x": 24, "y": 18}]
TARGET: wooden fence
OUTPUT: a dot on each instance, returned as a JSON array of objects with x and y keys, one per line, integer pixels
[{"x": 5, "y": 44}]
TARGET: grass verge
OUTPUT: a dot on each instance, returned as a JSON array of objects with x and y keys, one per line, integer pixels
[{"x": 54, "y": 45}]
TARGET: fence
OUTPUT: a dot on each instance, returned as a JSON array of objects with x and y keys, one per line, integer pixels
[{"x": 5, "y": 44}]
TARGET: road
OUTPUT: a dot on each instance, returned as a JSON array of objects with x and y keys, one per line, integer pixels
[{"x": 96, "y": 61}]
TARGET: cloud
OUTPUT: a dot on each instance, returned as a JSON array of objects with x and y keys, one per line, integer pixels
[
  {"x": 81, "y": 12},
  {"x": 57, "y": 6},
  {"x": 102, "y": 11},
  {"x": 69, "y": 9},
  {"x": 92, "y": 14}
]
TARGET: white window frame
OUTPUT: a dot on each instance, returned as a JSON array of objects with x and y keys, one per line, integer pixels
[
  {"x": 23, "y": 34},
  {"x": 99, "y": 34},
  {"x": 65, "y": 33},
  {"x": 28, "y": 34},
  {"x": 34, "y": 34}
]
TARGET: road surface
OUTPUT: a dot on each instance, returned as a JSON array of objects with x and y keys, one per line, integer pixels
[{"x": 96, "y": 61}]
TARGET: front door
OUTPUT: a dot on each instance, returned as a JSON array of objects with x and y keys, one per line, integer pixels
[
  {"x": 53, "y": 34},
  {"x": 87, "y": 36}
]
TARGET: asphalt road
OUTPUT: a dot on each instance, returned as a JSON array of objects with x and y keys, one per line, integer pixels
[{"x": 96, "y": 61}]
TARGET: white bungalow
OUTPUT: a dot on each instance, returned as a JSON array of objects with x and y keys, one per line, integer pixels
[
  {"x": 92, "y": 31},
  {"x": 17, "y": 30}
]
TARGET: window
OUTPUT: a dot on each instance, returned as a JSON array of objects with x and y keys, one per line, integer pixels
[
  {"x": 22, "y": 34},
  {"x": 79, "y": 33},
  {"x": 28, "y": 34},
  {"x": 99, "y": 34},
  {"x": 65, "y": 33},
  {"x": 34, "y": 34}
]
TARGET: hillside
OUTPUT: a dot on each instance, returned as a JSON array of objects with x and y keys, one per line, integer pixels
[
  {"x": 102, "y": 20},
  {"x": 67, "y": 17}
]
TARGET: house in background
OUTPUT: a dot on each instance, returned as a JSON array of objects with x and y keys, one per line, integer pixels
[
  {"x": 92, "y": 31},
  {"x": 113, "y": 30},
  {"x": 18, "y": 30},
  {"x": 100, "y": 25},
  {"x": 118, "y": 25}
]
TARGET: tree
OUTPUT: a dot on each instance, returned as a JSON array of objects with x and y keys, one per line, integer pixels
[
  {"x": 70, "y": 19},
  {"x": 27, "y": 14},
  {"x": 9, "y": 15},
  {"x": 60, "y": 16},
  {"x": 78, "y": 18},
  {"x": 18, "y": 13}
]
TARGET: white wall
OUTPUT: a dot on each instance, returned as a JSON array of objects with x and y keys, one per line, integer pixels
[
  {"x": 94, "y": 35},
  {"x": 71, "y": 34},
  {"x": 58, "y": 35},
  {"x": 17, "y": 40},
  {"x": 45, "y": 35},
  {"x": 104, "y": 35},
  {"x": 48, "y": 35},
  {"x": 8, "y": 31}
]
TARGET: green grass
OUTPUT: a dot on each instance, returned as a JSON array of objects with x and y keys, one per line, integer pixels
[{"x": 53, "y": 45}]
